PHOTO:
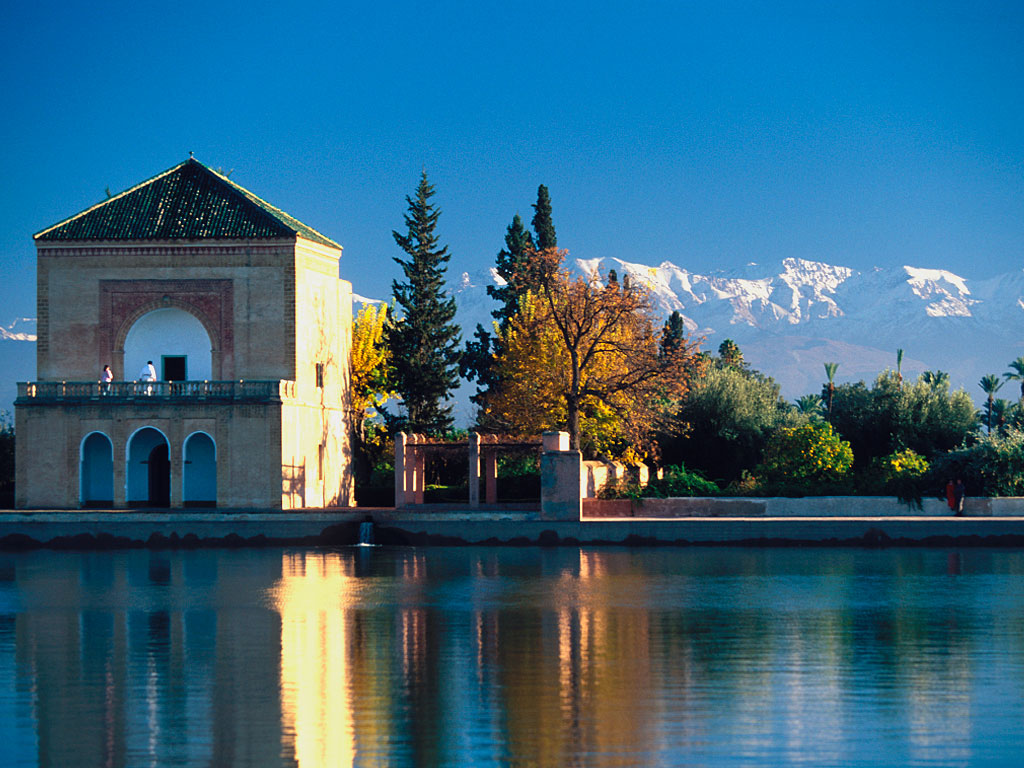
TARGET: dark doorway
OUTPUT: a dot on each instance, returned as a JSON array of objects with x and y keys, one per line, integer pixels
[
  {"x": 174, "y": 368},
  {"x": 159, "y": 477}
]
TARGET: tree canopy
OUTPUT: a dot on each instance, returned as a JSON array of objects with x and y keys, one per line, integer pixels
[{"x": 583, "y": 355}]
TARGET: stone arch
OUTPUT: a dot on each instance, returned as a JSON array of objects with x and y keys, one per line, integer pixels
[
  {"x": 147, "y": 468},
  {"x": 96, "y": 471},
  {"x": 167, "y": 329},
  {"x": 199, "y": 470},
  {"x": 210, "y": 301}
]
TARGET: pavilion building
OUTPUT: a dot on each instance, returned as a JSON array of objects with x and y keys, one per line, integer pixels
[{"x": 240, "y": 308}]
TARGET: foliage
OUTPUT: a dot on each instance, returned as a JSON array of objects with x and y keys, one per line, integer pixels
[
  {"x": 676, "y": 481},
  {"x": 673, "y": 335},
  {"x": 423, "y": 342},
  {"x": 730, "y": 355},
  {"x": 584, "y": 356},
  {"x": 830, "y": 386},
  {"x": 903, "y": 464},
  {"x": 6, "y": 462},
  {"x": 903, "y": 474},
  {"x": 924, "y": 416},
  {"x": 811, "y": 451},
  {"x": 993, "y": 466},
  {"x": 1016, "y": 373},
  {"x": 729, "y": 415},
  {"x": 369, "y": 362},
  {"x": 543, "y": 227},
  {"x": 990, "y": 384},
  {"x": 520, "y": 276},
  {"x": 512, "y": 267},
  {"x": 810, "y": 406}
]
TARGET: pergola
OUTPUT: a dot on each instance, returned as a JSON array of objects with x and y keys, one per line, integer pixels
[{"x": 411, "y": 452}]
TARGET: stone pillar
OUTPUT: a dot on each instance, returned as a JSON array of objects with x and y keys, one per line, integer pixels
[
  {"x": 560, "y": 497},
  {"x": 400, "y": 439},
  {"x": 474, "y": 469},
  {"x": 410, "y": 469},
  {"x": 420, "y": 461},
  {"x": 491, "y": 476}
]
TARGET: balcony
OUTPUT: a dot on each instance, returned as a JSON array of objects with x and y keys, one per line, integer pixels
[{"x": 42, "y": 392}]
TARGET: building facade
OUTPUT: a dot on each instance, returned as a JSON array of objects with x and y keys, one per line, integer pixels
[{"x": 239, "y": 308}]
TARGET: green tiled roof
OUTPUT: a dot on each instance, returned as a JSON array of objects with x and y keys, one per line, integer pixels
[{"x": 186, "y": 202}]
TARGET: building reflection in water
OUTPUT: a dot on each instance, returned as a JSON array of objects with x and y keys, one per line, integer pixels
[
  {"x": 316, "y": 695},
  {"x": 497, "y": 656}
]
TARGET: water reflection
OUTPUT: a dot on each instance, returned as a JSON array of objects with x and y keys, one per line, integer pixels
[{"x": 485, "y": 656}]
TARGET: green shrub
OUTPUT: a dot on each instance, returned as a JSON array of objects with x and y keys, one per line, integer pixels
[
  {"x": 675, "y": 481},
  {"x": 809, "y": 452},
  {"x": 992, "y": 466}
]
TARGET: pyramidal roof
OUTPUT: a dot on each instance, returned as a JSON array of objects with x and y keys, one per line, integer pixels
[{"x": 186, "y": 202}]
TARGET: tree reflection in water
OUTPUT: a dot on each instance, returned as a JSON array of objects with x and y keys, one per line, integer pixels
[{"x": 484, "y": 656}]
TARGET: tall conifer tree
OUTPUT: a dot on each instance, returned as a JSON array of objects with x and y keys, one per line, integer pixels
[
  {"x": 510, "y": 266},
  {"x": 423, "y": 340},
  {"x": 543, "y": 227}
]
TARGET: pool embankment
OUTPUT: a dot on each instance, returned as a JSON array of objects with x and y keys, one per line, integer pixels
[{"x": 88, "y": 529}]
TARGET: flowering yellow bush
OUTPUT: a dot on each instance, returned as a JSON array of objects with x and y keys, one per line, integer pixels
[
  {"x": 905, "y": 464},
  {"x": 810, "y": 451}
]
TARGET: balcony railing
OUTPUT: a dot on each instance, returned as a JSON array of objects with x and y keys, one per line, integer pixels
[{"x": 81, "y": 391}]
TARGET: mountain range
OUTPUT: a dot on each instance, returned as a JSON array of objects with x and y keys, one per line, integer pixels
[
  {"x": 792, "y": 316},
  {"x": 788, "y": 318}
]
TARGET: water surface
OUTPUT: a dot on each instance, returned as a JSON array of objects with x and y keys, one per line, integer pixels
[{"x": 505, "y": 656}]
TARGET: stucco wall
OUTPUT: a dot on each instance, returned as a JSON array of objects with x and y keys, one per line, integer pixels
[
  {"x": 246, "y": 435},
  {"x": 89, "y": 296}
]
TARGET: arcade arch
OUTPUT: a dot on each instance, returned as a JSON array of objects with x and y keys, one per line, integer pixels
[
  {"x": 96, "y": 471},
  {"x": 199, "y": 471},
  {"x": 148, "y": 469}
]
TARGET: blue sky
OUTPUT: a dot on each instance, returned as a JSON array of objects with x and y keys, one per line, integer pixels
[{"x": 708, "y": 134}]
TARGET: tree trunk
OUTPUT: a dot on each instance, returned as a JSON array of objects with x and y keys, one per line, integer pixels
[{"x": 573, "y": 407}]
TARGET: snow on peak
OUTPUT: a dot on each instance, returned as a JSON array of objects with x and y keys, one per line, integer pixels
[
  {"x": 947, "y": 294},
  {"x": 20, "y": 329}
]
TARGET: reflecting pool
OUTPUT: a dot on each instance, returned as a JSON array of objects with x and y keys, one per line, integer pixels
[{"x": 508, "y": 656}]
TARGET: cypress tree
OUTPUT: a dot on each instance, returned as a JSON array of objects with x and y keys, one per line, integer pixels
[
  {"x": 511, "y": 263},
  {"x": 424, "y": 342},
  {"x": 543, "y": 227}
]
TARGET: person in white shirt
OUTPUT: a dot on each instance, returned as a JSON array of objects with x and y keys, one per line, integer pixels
[
  {"x": 148, "y": 373},
  {"x": 106, "y": 377}
]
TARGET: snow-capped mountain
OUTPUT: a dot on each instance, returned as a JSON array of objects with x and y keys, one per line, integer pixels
[{"x": 792, "y": 316}]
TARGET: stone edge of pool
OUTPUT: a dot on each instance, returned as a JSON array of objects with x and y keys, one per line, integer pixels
[{"x": 62, "y": 529}]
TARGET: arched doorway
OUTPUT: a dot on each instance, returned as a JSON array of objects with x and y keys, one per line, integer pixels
[
  {"x": 96, "y": 471},
  {"x": 199, "y": 473},
  {"x": 148, "y": 475},
  {"x": 176, "y": 342}
]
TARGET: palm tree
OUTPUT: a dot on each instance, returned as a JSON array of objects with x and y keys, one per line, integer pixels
[
  {"x": 810, "y": 405},
  {"x": 830, "y": 371},
  {"x": 899, "y": 368},
  {"x": 990, "y": 384},
  {"x": 1017, "y": 374},
  {"x": 935, "y": 379},
  {"x": 998, "y": 412}
]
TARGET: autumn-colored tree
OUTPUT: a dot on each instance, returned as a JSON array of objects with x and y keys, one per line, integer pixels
[
  {"x": 583, "y": 354},
  {"x": 369, "y": 363}
]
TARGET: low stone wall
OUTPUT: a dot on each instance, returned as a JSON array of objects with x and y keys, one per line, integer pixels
[{"x": 816, "y": 506}]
